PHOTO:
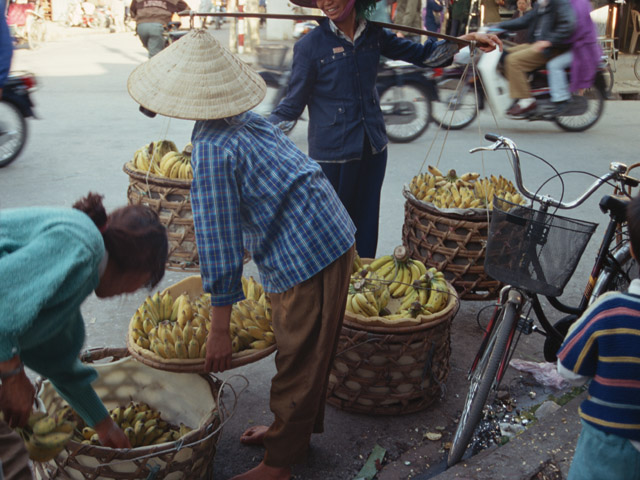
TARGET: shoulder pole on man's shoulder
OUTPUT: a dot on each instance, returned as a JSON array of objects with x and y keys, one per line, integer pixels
[{"x": 287, "y": 16}]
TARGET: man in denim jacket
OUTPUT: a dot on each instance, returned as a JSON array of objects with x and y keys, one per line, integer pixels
[{"x": 334, "y": 74}]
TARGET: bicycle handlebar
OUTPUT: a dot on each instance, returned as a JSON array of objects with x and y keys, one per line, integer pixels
[{"x": 617, "y": 171}]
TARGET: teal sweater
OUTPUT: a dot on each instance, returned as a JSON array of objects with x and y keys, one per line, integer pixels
[{"x": 49, "y": 260}]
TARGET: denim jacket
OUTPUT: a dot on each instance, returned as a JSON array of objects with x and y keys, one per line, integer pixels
[{"x": 337, "y": 81}]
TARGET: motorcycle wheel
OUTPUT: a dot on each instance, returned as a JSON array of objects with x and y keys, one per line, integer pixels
[
  {"x": 456, "y": 106},
  {"x": 406, "y": 110},
  {"x": 579, "y": 123},
  {"x": 13, "y": 133}
]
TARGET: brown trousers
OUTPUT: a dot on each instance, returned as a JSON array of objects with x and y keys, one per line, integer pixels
[
  {"x": 307, "y": 320},
  {"x": 521, "y": 60},
  {"x": 14, "y": 459}
]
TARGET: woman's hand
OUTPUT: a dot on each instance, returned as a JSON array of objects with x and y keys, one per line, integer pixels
[
  {"x": 111, "y": 435},
  {"x": 484, "y": 41},
  {"x": 218, "y": 358},
  {"x": 16, "y": 395}
]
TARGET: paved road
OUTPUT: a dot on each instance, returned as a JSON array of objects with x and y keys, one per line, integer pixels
[{"x": 88, "y": 127}]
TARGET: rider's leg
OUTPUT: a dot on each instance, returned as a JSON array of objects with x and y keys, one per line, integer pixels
[
  {"x": 557, "y": 75},
  {"x": 521, "y": 60}
]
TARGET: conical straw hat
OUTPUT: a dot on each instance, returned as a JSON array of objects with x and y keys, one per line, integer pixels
[{"x": 195, "y": 78}]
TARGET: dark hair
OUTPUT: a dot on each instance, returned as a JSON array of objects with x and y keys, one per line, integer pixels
[
  {"x": 633, "y": 224},
  {"x": 364, "y": 8},
  {"x": 133, "y": 236}
]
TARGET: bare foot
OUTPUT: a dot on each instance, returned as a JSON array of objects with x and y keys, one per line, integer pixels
[
  {"x": 254, "y": 435},
  {"x": 265, "y": 472}
]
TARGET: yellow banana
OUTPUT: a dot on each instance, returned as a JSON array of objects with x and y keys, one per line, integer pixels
[
  {"x": 193, "y": 349},
  {"x": 379, "y": 262}
]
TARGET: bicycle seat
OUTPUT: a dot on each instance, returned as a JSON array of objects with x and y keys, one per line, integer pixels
[{"x": 616, "y": 205}]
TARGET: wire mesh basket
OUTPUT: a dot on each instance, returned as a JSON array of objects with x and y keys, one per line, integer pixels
[
  {"x": 271, "y": 57},
  {"x": 534, "y": 250}
]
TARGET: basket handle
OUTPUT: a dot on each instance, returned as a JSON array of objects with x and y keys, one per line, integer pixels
[{"x": 98, "y": 353}]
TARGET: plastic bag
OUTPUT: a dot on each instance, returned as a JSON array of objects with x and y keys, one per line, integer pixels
[{"x": 545, "y": 373}]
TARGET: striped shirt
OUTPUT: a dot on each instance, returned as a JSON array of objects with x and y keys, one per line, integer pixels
[
  {"x": 254, "y": 189},
  {"x": 604, "y": 345}
]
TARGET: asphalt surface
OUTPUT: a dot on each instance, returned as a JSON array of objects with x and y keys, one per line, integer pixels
[{"x": 88, "y": 127}]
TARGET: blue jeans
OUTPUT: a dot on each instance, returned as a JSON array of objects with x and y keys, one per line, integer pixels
[
  {"x": 601, "y": 455},
  {"x": 151, "y": 36},
  {"x": 558, "y": 82},
  {"x": 358, "y": 184}
]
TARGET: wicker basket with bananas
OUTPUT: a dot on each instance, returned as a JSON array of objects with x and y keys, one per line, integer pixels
[
  {"x": 394, "y": 290},
  {"x": 461, "y": 192},
  {"x": 171, "y": 333},
  {"x": 163, "y": 159}
]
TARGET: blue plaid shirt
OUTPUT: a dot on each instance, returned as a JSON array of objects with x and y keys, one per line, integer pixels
[{"x": 254, "y": 189}]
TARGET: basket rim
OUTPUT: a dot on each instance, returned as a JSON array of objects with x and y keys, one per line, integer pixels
[
  {"x": 192, "y": 365},
  {"x": 211, "y": 423},
  {"x": 474, "y": 215},
  {"x": 427, "y": 322},
  {"x": 154, "y": 179}
]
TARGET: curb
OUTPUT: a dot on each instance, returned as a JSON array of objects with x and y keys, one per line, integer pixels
[{"x": 552, "y": 440}]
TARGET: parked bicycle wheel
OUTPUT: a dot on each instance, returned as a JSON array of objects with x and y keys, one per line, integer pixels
[
  {"x": 586, "y": 108},
  {"x": 455, "y": 108},
  {"x": 406, "y": 110},
  {"x": 483, "y": 379}
]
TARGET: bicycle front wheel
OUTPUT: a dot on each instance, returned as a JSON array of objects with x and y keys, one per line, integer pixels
[
  {"x": 483, "y": 379},
  {"x": 406, "y": 110},
  {"x": 456, "y": 106}
]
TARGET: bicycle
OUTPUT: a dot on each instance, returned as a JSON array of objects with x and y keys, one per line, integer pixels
[
  {"x": 27, "y": 24},
  {"x": 523, "y": 248}
]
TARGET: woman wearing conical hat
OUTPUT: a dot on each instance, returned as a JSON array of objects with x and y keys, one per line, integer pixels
[
  {"x": 334, "y": 74},
  {"x": 254, "y": 189}
]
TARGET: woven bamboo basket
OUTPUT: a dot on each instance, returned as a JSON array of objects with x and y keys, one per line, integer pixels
[
  {"x": 193, "y": 287},
  {"x": 188, "y": 399},
  {"x": 453, "y": 243},
  {"x": 392, "y": 370},
  {"x": 170, "y": 199}
]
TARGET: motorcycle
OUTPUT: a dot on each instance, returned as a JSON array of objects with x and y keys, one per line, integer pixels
[
  {"x": 405, "y": 99},
  {"x": 15, "y": 107},
  {"x": 475, "y": 80}
]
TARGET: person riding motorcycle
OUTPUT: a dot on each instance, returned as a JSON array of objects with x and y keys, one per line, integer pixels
[
  {"x": 151, "y": 17},
  {"x": 549, "y": 25}
]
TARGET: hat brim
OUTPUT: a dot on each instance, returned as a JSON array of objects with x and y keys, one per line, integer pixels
[{"x": 195, "y": 78}]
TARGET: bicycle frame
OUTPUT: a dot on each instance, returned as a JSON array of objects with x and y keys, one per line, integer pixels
[{"x": 608, "y": 259}]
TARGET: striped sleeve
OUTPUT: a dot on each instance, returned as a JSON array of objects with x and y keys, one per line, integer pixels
[{"x": 215, "y": 202}]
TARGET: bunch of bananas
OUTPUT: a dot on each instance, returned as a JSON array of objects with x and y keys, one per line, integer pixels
[
  {"x": 141, "y": 424},
  {"x": 398, "y": 271},
  {"x": 179, "y": 328},
  {"x": 177, "y": 165},
  {"x": 368, "y": 295},
  {"x": 357, "y": 264},
  {"x": 464, "y": 191},
  {"x": 420, "y": 291},
  {"x": 163, "y": 158},
  {"x": 428, "y": 295},
  {"x": 45, "y": 436}
]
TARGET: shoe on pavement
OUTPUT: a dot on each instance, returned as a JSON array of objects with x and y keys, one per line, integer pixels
[{"x": 519, "y": 111}]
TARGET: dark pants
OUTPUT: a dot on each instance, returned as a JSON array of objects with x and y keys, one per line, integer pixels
[
  {"x": 307, "y": 320},
  {"x": 359, "y": 184}
]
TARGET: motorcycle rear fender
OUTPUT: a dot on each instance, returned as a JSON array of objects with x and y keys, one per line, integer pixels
[{"x": 20, "y": 100}]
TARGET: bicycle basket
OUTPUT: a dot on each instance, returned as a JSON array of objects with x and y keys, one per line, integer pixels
[{"x": 534, "y": 250}]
